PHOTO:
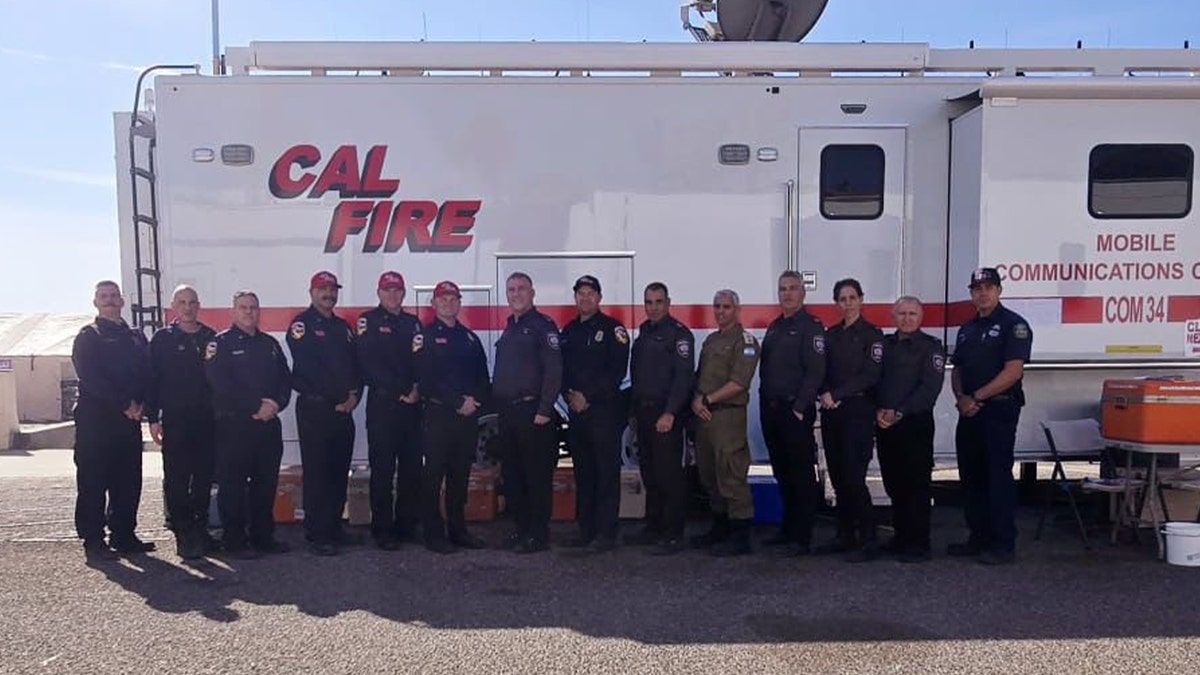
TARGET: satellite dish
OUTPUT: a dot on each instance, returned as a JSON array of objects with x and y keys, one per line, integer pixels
[{"x": 768, "y": 20}]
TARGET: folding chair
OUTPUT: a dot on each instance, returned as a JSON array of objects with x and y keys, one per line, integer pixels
[{"x": 1077, "y": 441}]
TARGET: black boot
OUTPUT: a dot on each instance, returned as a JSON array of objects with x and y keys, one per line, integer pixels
[
  {"x": 716, "y": 534},
  {"x": 738, "y": 542}
]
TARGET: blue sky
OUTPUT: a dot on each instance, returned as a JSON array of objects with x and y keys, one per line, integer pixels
[{"x": 65, "y": 65}]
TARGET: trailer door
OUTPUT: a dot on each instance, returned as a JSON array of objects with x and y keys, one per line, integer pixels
[{"x": 852, "y": 208}]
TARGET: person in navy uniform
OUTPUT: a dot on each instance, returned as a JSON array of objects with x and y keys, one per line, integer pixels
[
  {"x": 251, "y": 385},
  {"x": 661, "y": 369},
  {"x": 913, "y": 371},
  {"x": 325, "y": 374},
  {"x": 854, "y": 355},
  {"x": 595, "y": 355},
  {"x": 989, "y": 361},
  {"x": 525, "y": 384},
  {"x": 385, "y": 339},
  {"x": 791, "y": 372},
  {"x": 113, "y": 366},
  {"x": 454, "y": 388},
  {"x": 179, "y": 409}
]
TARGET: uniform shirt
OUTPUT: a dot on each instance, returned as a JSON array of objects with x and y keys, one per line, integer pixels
[
  {"x": 985, "y": 344},
  {"x": 728, "y": 356},
  {"x": 853, "y": 359},
  {"x": 529, "y": 361},
  {"x": 177, "y": 378},
  {"x": 595, "y": 355},
  {"x": 243, "y": 369},
  {"x": 112, "y": 363},
  {"x": 793, "y": 359},
  {"x": 324, "y": 364},
  {"x": 913, "y": 370},
  {"x": 385, "y": 351},
  {"x": 451, "y": 364},
  {"x": 662, "y": 365}
]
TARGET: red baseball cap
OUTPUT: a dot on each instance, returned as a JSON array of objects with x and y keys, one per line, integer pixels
[
  {"x": 447, "y": 288},
  {"x": 323, "y": 279},
  {"x": 391, "y": 280}
]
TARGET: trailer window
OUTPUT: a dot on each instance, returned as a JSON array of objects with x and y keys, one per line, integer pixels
[
  {"x": 852, "y": 182},
  {"x": 1140, "y": 181}
]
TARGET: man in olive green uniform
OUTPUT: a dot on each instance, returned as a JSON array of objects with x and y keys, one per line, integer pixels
[{"x": 727, "y": 362}]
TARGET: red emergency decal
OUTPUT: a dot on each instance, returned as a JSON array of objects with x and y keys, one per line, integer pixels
[
  {"x": 410, "y": 222},
  {"x": 367, "y": 204},
  {"x": 349, "y": 217},
  {"x": 281, "y": 183}
]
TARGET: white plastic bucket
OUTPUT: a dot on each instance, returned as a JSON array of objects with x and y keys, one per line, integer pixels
[{"x": 1183, "y": 544}]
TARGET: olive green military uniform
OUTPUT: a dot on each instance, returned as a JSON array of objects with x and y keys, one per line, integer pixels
[{"x": 722, "y": 449}]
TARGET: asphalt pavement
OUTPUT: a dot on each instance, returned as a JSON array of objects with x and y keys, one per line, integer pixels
[{"x": 1060, "y": 609}]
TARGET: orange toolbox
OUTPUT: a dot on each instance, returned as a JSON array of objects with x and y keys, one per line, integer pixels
[{"x": 1151, "y": 410}]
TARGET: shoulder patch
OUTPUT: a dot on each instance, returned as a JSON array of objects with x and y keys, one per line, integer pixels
[
  {"x": 939, "y": 362},
  {"x": 297, "y": 330},
  {"x": 418, "y": 341},
  {"x": 362, "y": 325},
  {"x": 210, "y": 350},
  {"x": 683, "y": 348},
  {"x": 1021, "y": 331},
  {"x": 877, "y": 352},
  {"x": 748, "y": 338},
  {"x": 819, "y": 344},
  {"x": 552, "y": 339},
  {"x": 621, "y": 335}
]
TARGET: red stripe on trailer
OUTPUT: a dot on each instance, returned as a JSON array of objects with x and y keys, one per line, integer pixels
[
  {"x": 1082, "y": 310},
  {"x": 1181, "y": 308}
]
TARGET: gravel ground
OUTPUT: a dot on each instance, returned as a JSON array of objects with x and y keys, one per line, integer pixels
[{"x": 1061, "y": 609}]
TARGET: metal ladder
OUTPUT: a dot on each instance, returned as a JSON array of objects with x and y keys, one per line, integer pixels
[{"x": 147, "y": 309}]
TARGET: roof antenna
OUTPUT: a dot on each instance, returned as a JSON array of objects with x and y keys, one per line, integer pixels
[{"x": 424, "y": 27}]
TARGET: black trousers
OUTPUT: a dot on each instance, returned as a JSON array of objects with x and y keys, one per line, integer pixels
[
  {"x": 984, "y": 445},
  {"x": 849, "y": 435},
  {"x": 108, "y": 472},
  {"x": 394, "y": 451},
  {"x": 793, "y": 452},
  {"x": 248, "y": 456},
  {"x": 450, "y": 441},
  {"x": 189, "y": 462},
  {"x": 660, "y": 458},
  {"x": 594, "y": 439},
  {"x": 530, "y": 453},
  {"x": 906, "y": 462},
  {"x": 326, "y": 447}
]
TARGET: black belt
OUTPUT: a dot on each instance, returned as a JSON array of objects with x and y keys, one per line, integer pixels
[
  {"x": 724, "y": 406},
  {"x": 522, "y": 399}
]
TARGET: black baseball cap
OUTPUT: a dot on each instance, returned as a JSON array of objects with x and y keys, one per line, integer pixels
[
  {"x": 587, "y": 280},
  {"x": 985, "y": 275}
]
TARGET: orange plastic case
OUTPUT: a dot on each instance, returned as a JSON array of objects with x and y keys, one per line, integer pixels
[{"x": 1151, "y": 411}]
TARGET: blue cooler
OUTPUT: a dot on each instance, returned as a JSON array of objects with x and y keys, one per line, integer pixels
[{"x": 768, "y": 505}]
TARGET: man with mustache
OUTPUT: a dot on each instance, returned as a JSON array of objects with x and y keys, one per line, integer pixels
[
  {"x": 325, "y": 375},
  {"x": 112, "y": 363}
]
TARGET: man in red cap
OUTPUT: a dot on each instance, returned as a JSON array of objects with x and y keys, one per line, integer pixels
[
  {"x": 454, "y": 386},
  {"x": 325, "y": 375},
  {"x": 388, "y": 339}
]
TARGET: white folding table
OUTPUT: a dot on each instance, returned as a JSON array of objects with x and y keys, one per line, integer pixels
[{"x": 1152, "y": 483}]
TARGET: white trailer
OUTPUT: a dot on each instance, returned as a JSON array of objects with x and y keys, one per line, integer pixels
[{"x": 701, "y": 165}]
